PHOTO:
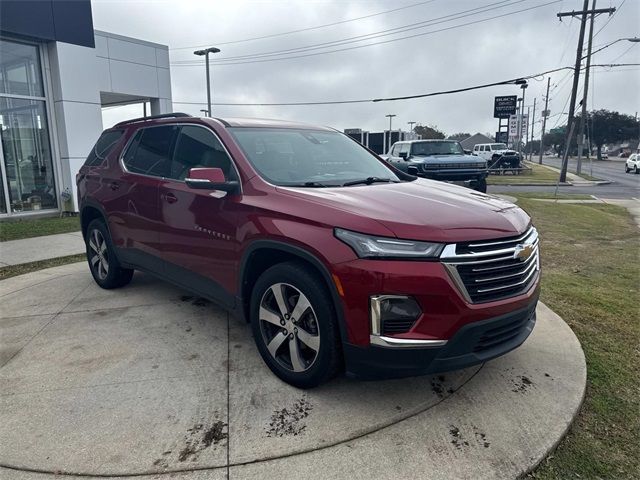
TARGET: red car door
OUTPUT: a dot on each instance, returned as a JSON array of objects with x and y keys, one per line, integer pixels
[
  {"x": 198, "y": 233},
  {"x": 134, "y": 216}
]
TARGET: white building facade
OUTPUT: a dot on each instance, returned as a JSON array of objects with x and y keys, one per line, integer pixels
[{"x": 51, "y": 99}]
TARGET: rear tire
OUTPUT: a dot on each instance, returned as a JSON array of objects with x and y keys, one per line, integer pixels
[
  {"x": 101, "y": 256},
  {"x": 636, "y": 170},
  {"x": 304, "y": 351}
]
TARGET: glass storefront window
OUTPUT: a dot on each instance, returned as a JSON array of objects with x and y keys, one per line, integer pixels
[
  {"x": 27, "y": 179},
  {"x": 27, "y": 154},
  {"x": 20, "y": 72}
]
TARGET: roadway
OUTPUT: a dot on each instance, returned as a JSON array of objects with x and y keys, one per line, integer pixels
[{"x": 622, "y": 186}]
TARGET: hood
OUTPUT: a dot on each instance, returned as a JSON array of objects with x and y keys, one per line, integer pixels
[{"x": 421, "y": 210}]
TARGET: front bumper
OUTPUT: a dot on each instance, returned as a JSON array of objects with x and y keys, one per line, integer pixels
[{"x": 474, "y": 343}]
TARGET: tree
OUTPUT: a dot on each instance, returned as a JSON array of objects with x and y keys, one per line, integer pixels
[
  {"x": 611, "y": 127},
  {"x": 459, "y": 136},
  {"x": 429, "y": 132},
  {"x": 555, "y": 139}
]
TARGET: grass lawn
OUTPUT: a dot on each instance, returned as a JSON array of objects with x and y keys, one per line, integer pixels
[
  {"x": 539, "y": 175},
  {"x": 550, "y": 195},
  {"x": 26, "y": 228},
  {"x": 591, "y": 277},
  {"x": 14, "y": 270}
]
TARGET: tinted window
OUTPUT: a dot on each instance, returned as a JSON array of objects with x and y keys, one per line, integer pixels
[
  {"x": 150, "y": 151},
  {"x": 405, "y": 147},
  {"x": 199, "y": 147},
  {"x": 394, "y": 150},
  {"x": 103, "y": 147},
  {"x": 436, "y": 148}
]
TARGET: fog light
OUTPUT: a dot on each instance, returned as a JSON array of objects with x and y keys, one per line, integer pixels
[{"x": 393, "y": 314}]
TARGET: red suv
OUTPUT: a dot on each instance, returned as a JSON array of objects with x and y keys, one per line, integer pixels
[{"x": 337, "y": 259}]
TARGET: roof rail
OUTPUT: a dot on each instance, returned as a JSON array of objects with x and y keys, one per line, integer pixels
[{"x": 153, "y": 117}]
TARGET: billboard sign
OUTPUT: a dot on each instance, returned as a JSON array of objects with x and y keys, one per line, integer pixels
[{"x": 504, "y": 106}]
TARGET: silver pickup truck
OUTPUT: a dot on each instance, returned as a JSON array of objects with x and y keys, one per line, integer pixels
[{"x": 439, "y": 160}]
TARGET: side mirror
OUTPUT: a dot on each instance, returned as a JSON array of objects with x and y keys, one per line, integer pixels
[
  {"x": 210, "y": 179},
  {"x": 468, "y": 152},
  {"x": 413, "y": 170},
  {"x": 403, "y": 155}
]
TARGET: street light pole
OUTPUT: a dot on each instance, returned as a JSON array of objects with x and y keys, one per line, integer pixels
[
  {"x": 411, "y": 124},
  {"x": 206, "y": 53},
  {"x": 390, "y": 119},
  {"x": 545, "y": 114}
]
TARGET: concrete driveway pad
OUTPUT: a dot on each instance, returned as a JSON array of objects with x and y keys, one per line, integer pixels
[{"x": 150, "y": 380}]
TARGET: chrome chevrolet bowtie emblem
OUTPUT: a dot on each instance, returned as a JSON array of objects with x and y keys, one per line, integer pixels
[{"x": 523, "y": 251}]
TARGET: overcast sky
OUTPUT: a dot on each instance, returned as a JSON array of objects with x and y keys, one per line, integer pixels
[{"x": 497, "y": 49}]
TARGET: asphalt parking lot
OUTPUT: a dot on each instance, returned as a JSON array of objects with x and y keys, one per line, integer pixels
[{"x": 150, "y": 381}]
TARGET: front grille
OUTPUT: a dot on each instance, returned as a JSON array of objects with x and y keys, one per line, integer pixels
[
  {"x": 431, "y": 166},
  {"x": 498, "y": 336},
  {"x": 486, "y": 271},
  {"x": 397, "y": 326}
]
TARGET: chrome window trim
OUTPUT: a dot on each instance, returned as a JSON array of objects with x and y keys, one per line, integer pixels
[{"x": 179, "y": 124}]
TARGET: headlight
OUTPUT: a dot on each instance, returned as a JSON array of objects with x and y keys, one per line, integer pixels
[{"x": 367, "y": 246}]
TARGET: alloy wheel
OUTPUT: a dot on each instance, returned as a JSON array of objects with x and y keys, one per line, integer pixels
[
  {"x": 289, "y": 327},
  {"x": 99, "y": 254}
]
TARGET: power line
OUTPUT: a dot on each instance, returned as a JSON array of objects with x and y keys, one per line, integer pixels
[
  {"x": 609, "y": 19},
  {"x": 408, "y": 97},
  {"x": 387, "y": 99},
  {"x": 317, "y": 27},
  {"x": 360, "y": 38},
  {"x": 624, "y": 53},
  {"x": 388, "y": 41}
]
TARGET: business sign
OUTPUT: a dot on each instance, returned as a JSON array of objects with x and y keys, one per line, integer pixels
[
  {"x": 517, "y": 128},
  {"x": 505, "y": 106},
  {"x": 502, "y": 137},
  {"x": 353, "y": 131}
]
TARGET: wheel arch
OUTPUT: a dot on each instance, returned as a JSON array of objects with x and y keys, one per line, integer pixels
[{"x": 263, "y": 254}]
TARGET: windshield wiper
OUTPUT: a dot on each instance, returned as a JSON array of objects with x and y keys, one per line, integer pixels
[
  {"x": 367, "y": 181},
  {"x": 308, "y": 184}
]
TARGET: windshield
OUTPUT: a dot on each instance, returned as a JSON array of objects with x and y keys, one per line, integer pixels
[
  {"x": 311, "y": 158},
  {"x": 436, "y": 148},
  {"x": 498, "y": 146}
]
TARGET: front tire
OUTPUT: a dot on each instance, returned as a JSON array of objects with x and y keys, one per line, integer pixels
[
  {"x": 103, "y": 263},
  {"x": 626, "y": 169},
  {"x": 636, "y": 170},
  {"x": 295, "y": 326},
  {"x": 481, "y": 185}
]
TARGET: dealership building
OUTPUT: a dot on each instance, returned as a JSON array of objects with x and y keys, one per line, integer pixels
[{"x": 56, "y": 75}]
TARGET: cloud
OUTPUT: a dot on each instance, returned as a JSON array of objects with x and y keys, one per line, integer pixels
[{"x": 499, "y": 49}]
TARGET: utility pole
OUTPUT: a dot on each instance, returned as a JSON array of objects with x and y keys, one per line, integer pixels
[
  {"x": 576, "y": 77},
  {"x": 533, "y": 121},
  {"x": 524, "y": 89},
  {"x": 545, "y": 114},
  {"x": 526, "y": 133},
  {"x": 583, "y": 115}
]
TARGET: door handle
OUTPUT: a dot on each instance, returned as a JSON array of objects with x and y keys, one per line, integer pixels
[
  {"x": 169, "y": 198},
  {"x": 114, "y": 186}
]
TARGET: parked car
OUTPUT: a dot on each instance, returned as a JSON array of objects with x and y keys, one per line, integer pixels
[
  {"x": 604, "y": 155},
  {"x": 633, "y": 163},
  {"x": 497, "y": 155},
  {"x": 439, "y": 160},
  {"x": 337, "y": 259}
]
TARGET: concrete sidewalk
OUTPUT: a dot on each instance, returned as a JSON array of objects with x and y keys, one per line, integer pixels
[{"x": 16, "y": 252}]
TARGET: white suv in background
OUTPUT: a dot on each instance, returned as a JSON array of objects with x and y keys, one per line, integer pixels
[
  {"x": 497, "y": 154},
  {"x": 632, "y": 164}
]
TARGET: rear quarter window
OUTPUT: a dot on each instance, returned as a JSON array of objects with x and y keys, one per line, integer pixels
[{"x": 103, "y": 147}]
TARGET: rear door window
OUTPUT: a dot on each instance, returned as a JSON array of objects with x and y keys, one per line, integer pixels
[
  {"x": 103, "y": 147},
  {"x": 150, "y": 151}
]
